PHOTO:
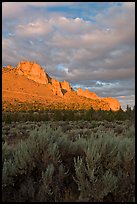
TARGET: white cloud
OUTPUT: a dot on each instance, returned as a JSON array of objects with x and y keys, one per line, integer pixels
[
  {"x": 102, "y": 50},
  {"x": 126, "y": 100},
  {"x": 36, "y": 28},
  {"x": 12, "y": 9}
]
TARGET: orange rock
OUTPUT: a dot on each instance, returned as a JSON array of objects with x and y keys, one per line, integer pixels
[
  {"x": 113, "y": 103},
  {"x": 86, "y": 93},
  {"x": 56, "y": 87},
  {"x": 33, "y": 71},
  {"x": 9, "y": 67},
  {"x": 66, "y": 86},
  {"x": 16, "y": 84}
]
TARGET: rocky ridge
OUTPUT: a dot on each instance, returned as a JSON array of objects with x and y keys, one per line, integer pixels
[
  {"x": 86, "y": 93},
  {"x": 34, "y": 72}
]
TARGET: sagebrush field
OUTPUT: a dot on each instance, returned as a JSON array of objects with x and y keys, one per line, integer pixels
[{"x": 55, "y": 160}]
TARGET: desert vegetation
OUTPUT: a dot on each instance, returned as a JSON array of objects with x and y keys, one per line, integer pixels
[
  {"x": 68, "y": 156},
  {"x": 68, "y": 115}
]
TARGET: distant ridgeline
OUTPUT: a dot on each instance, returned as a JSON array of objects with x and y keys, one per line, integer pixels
[{"x": 28, "y": 86}]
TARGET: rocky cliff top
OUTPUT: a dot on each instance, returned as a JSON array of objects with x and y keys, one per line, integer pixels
[
  {"x": 86, "y": 93},
  {"x": 33, "y": 71}
]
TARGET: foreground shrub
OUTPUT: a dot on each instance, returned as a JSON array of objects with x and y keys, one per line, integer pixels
[
  {"x": 50, "y": 167},
  {"x": 107, "y": 173},
  {"x": 39, "y": 159}
]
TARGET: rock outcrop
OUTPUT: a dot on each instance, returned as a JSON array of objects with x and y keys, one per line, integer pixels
[
  {"x": 59, "y": 92},
  {"x": 9, "y": 67},
  {"x": 86, "y": 93},
  {"x": 113, "y": 103},
  {"x": 33, "y": 71},
  {"x": 36, "y": 73},
  {"x": 66, "y": 86},
  {"x": 60, "y": 88},
  {"x": 56, "y": 87}
]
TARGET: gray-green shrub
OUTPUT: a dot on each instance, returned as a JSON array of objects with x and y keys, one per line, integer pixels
[
  {"x": 52, "y": 166},
  {"x": 107, "y": 161}
]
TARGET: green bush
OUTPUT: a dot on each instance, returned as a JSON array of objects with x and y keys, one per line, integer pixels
[
  {"x": 104, "y": 171},
  {"x": 50, "y": 166},
  {"x": 68, "y": 115},
  {"x": 37, "y": 154}
]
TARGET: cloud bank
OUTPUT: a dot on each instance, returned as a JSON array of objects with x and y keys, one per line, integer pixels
[{"x": 95, "y": 51}]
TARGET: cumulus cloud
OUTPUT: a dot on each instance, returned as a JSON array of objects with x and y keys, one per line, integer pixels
[
  {"x": 14, "y": 9},
  {"x": 36, "y": 28},
  {"x": 89, "y": 51}
]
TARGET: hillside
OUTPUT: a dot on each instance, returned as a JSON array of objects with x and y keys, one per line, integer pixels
[{"x": 28, "y": 86}]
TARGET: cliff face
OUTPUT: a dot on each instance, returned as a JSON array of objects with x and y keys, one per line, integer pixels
[
  {"x": 86, "y": 94},
  {"x": 36, "y": 73},
  {"x": 60, "y": 92},
  {"x": 113, "y": 103},
  {"x": 66, "y": 86},
  {"x": 33, "y": 71},
  {"x": 56, "y": 87}
]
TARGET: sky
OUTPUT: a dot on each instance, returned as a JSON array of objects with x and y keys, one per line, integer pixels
[{"x": 89, "y": 44}]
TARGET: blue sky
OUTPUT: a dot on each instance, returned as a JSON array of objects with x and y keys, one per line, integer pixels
[{"x": 89, "y": 44}]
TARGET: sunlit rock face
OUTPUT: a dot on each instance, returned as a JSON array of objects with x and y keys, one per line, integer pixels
[
  {"x": 9, "y": 67},
  {"x": 50, "y": 87},
  {"x": 33, "y": 71},
  {"x": 56, "y": 87},
  {"x": 86, "y": 93},
  {"x": 113, "y": 103},
  {"x": 66, "y": 86}
]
